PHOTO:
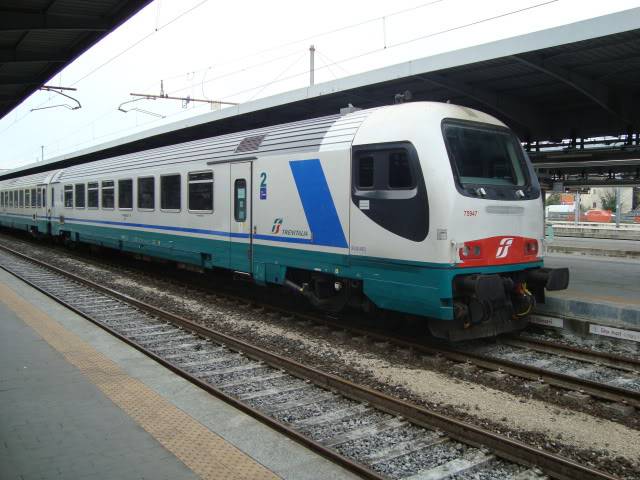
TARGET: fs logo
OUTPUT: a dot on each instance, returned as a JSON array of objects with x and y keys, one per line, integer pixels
[
  {"x": 277, "y": 223},
  {"x": 503, "y": 247}
]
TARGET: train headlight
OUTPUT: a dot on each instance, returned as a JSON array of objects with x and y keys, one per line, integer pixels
[
  {"x": 531, "y": 247},
  {"x": 470, "y": 251}
]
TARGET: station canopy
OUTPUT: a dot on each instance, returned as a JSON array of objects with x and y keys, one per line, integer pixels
[
  {"x": 557, "y": 88},
  {"x": 38, "y": 38}
]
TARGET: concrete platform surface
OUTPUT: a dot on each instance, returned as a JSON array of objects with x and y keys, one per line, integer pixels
[
  {"x": 77, "y": 403},
  {"x": 626, "y": 231},
  {"x": 601, "y": 290}
]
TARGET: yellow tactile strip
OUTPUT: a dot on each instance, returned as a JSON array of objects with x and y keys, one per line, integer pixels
[{"x": 205, "y": 453}]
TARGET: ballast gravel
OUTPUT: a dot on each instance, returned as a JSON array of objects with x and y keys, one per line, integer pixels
[
  {"x": 422, "y": 459},
  {"x": 238, "y": 390},
  {"x": 222, "y": 378},
  {"x": 272, "y": 401},
  {"x": 597, "y": 343},
  {"x": 333, "y": 429},
  {"x": 313, "y": 410},
  {"x": 567, "y": 366},
  {"x": 499, "y": 470},
  {"x": 590, "y": 440}
]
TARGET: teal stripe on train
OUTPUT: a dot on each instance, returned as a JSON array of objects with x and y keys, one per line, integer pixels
[{"x": 406, "y": 286}]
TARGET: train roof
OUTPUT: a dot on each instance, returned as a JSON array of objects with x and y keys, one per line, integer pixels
[{"x": 329, "y": 132}]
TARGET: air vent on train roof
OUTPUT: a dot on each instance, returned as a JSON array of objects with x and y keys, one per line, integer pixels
[{"x": 249, "y": 144}]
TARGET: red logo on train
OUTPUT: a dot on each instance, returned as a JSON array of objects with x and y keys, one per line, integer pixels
[{"x": 498, "y": 251}]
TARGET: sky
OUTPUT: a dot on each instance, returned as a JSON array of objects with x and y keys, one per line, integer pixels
[{"x": 244, "y": 50}]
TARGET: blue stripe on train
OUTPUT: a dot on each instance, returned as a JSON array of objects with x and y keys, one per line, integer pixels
[
  {"x": 201, "y": 231},
  {"x": 317, "y": 203}
]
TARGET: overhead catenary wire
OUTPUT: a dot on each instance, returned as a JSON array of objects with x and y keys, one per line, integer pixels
[
  {"x": 286, "y": 69},
  {"x": 388, "y": 47},
  {"x": 138, "y": 42},
  {"x": 316, "y": 36},
  {"x": 404, "y": 42}
]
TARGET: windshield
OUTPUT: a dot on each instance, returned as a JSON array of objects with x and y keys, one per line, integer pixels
[{"x": 484, "y": 155}]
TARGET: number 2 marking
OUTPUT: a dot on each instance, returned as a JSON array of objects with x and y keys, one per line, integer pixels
[{"x": 263, "y": 177}]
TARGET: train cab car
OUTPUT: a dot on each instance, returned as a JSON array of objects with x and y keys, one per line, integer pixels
[
  {"x": 426, "y": 209},
  {"x": 446, "y": 219}
]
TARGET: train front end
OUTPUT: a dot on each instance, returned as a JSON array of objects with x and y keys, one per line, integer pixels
[{"x": 495, "y": 232}]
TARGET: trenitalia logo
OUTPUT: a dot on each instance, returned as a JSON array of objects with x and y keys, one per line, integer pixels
[
  {"x": 503, "y": 247},
  {"x": 277, "y": 223}
]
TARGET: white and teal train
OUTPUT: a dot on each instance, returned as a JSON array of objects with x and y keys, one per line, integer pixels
[{"x": 427, "y": 209}]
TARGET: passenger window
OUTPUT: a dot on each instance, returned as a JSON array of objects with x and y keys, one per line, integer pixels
[
  {"x": 107, "y": 194},
  {"x": 92, "y": 195},
  {"x": 240, "y": 200},
  {"x": 125, "y": 194},
  {"x": 27, "y": 199},
  {"x": 80, "y": 194},
  {"x": 53, "y": 197},
  {"x": 400, "y": 171},
  {"x": 384, "y": 170},
  {"x": 39, "y": 198},
  {"x": 170, "y": 192},
  {"x": 33, "y": 198},
  {"x": 21, "y": 192},
  {"x": 146, "y": 193},
  {"x": 43, "y": 196},
  {"x": 68, "y": 196},
  {"x": 201, "y": 192},
  {"x": 365, "y": 172}
]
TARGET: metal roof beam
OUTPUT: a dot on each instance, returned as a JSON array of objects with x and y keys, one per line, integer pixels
[
  {"x": 514, "y": 109},
  {"x": 18, "y": 80},
  {"x": 594, "y": 90},
  {"x": 11, "y": 20},
  {"x": 13, "y": 56}
]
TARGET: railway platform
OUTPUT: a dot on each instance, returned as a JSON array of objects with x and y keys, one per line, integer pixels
[
  {"x": 595, "y": 247},
  {"x": 79, "y": 403},
  {"x": 602, "y": 290}
]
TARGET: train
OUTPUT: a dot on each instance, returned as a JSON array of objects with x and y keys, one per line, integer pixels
[{"x": 428, "y": 210}]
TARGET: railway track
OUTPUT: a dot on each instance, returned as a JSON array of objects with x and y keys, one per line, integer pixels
[
  {"x": 591, "y": 373},
  {"x": 578, "y": 371},
  {"x": 370, "y": 433},
  {"x": 607, "y": 377}
]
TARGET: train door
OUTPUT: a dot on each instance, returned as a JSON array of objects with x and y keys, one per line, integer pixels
[
  {"x": 241, "y": 221},
  {"x": 42, "y": 213}
]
